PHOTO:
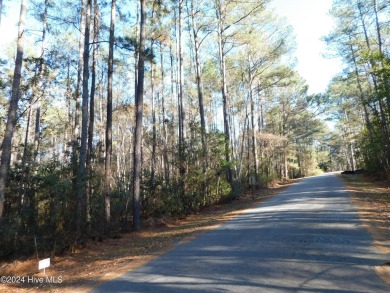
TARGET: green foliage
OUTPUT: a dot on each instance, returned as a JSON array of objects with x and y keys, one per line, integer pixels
[
  {"x": 203, "y": 186},
  {"x": 361, "y": 93},
  {"x": 44, "y": 223},
  {"x": 41, "y": 198}
]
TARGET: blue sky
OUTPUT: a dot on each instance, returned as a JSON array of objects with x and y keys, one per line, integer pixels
[{"x": 310, "y": 21}]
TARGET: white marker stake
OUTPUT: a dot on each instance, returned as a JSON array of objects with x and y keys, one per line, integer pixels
[{"x": 43, "y": 264}]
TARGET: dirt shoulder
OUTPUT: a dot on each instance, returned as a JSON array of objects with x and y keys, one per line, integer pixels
[
  {"x": 103, "y": 261},
  {"x": 373, "y": 201}
]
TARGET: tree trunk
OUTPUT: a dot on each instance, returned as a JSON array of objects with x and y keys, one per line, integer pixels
[
  {"x": 181, "y": 111},
  {"x": 41, "y": 72},
  {"x": 199, "y": 82},
  {"x": 136, "y": 53},
  {"x": 139, "y": 103},
  {"x": 253, "y": 123},
  {"x": 92, "y": 113},
  {"x": 348, "y": 132},
  {"x": 241, "y": 156},
  {"x": 79, "y": 73},
  {"x": 229, "y": 172},
  {"x": 69, "y": 125},
  {"x": 285, "y": 163},
  {"x": 13, "y": 108},
  {"x": 23, "y": 180},
  {"x": 37, "y": 135},
  {"x": 165, "y": 120},
  {"x": 76, "y": 131},
  {"x": 107, "y": 166},
  {"x": 84, "y": 124},
  {"x": 154, "y": 130}
]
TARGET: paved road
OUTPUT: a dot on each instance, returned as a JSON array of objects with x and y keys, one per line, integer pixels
[{"x": 306, "y": 239}]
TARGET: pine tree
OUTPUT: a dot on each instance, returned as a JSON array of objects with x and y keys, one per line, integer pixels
[{"x": 13, "y": 107}]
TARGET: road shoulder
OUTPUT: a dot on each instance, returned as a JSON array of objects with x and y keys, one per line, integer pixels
[{"x": 373, "y": 201}]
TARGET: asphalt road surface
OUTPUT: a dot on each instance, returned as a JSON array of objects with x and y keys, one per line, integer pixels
[{"x": 306, "y": 239}]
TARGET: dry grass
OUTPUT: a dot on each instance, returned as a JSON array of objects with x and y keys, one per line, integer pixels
[
  {"x": 373, "y": 200},
  {"x": 103, "y": 261}
]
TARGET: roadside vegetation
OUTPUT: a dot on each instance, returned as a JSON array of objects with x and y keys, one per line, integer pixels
[
  {"x": 104, "y": 260},
  {"x": 123, "y": 114},
  {"x": 372, "y": 197}
]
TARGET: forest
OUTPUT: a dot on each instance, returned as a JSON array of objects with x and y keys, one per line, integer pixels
[{"x": 114, "y": 113}]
